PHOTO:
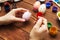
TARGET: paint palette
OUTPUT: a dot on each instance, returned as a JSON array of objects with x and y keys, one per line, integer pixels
[{"x": 57, "y": 2}]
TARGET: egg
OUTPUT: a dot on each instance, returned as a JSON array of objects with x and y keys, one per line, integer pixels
[
  {"x": 42, "y": 8},
  {"x": 36, "y": 4},
  {"x": 26, "y": 15},
  {"x": 42, "y": 1}
]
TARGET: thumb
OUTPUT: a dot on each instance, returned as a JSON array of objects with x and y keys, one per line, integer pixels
[{"x": 19, "y": 19}]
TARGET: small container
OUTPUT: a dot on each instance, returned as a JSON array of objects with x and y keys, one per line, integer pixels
[
  {"x": 58, "y": 15},
  {"x": 54, "y": 9},
  {"x": 48, "y": 5},
  {"x": 35, "y": 9},
  {"x": 7, "y": 6},
  {"x": 39, "y": 14},
  {"x": 51, "y": 2},
  {"x": 53, "y": 31},
  {"x": 49, "y": 25}
]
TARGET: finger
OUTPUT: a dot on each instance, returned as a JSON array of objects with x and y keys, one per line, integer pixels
[
  {"x": 39, "y": 22},
  {"x": 43, "y": 28},
  {"x": 44, "y": 21},
  {"x": 19, "y": 19},
  {"x": 21, "y": 10}
]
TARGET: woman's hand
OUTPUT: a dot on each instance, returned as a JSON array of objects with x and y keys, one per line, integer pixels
[
  {"x": 11, "y": 16},
  {"x": 39, "y": 29}
]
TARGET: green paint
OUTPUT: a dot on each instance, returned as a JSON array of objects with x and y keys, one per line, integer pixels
[{"x": 49, "y": 25}]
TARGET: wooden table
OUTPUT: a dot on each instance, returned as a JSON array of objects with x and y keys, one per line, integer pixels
[{"x": 20, "y": 31}]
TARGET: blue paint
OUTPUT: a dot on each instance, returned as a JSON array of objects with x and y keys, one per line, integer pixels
[
  {"x": 7, "y": 8},
  {"x": 56, "y": 0},
  {"x": 54, "y": 9},
  {"x": 48, "y": 5}
]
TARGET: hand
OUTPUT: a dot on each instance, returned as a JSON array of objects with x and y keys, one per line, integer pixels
[
  {"x": 39, "y": 29},
  {"x": 11, "y": 16}
]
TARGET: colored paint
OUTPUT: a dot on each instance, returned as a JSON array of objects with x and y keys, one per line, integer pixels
[
  {"x": 35, "y": 9},
  {"x": 53, "y": 31},
  {"x": 39, "y": 14},
  {"x": 54, "y": 9},
  {"x": 49, "y": 25},
  {"x": 58, "y": 14},
  {"x": 7, "y": 6},
  {"x": 48, "y": 5}
]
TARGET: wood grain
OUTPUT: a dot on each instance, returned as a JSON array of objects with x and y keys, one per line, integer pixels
[{"x": 20, "y": 31}]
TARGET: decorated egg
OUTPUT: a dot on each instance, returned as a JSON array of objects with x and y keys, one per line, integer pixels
[
  {"x": 42, "y": 8},
  {"x": 42, "y": 1},
  {"x": 36, "y": 4},
  {"x": 26, "y": 15}
]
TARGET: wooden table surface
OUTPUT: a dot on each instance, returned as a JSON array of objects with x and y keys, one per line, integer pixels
[{"x": 20, "y": 31}]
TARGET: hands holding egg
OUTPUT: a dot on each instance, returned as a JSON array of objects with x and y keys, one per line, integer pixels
[
  {"x": 11, "y": 16},
  {"x": 39, "y": 29}
]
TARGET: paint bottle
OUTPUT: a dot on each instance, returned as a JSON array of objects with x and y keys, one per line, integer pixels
[
  {"x": 58, "y": 15},
  {"x": 7, "y": 6},
  {"x": 54, "y": 9},
  {"x": 53, "y": 31},
  {"x": 48, "y": 4}
]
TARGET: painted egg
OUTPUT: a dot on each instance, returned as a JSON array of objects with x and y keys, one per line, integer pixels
[
  {"x": 42, "y": 8},
  {"x": 36, "y": 4},
  {"x": 42, "y": 1},
  {"x": 26, "y": 15}
]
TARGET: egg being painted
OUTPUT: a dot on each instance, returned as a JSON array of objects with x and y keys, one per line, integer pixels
[
  {"x": 26, "y": 15},
  {"x": 42, "y": 8}
]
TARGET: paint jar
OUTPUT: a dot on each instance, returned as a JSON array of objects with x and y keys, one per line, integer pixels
[
  {"x": 58, "y": 15},
  {"x": 53, "y": 31},
  {"x": 54, "y": 9}
]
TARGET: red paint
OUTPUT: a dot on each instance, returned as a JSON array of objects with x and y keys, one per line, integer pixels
[
  {"x": 6, "y": 3},
  {"x": 39, "y": 14},
  {"x": 35, "y": 8}
]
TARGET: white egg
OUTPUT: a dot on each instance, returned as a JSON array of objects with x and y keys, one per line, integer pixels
[
  {"x": 36, "y": 4},
  {"x": 41, "y": 0},
  {"x": 42, "y": 8},
  {"x": 26, "y": 15}
]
